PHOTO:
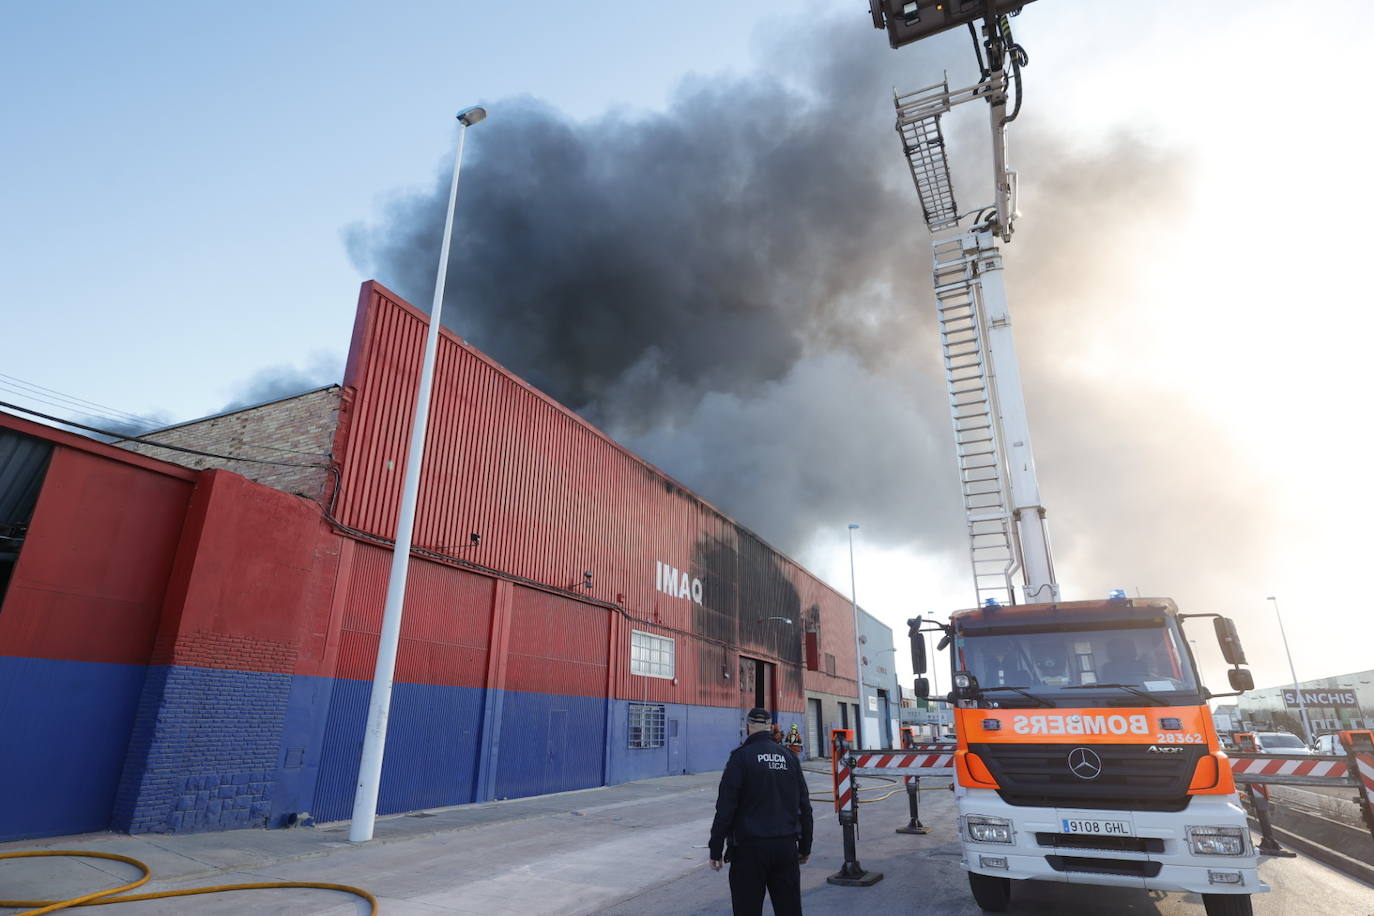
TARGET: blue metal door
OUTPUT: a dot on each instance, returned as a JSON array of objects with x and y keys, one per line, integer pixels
[{"x": 674, "y": 748}]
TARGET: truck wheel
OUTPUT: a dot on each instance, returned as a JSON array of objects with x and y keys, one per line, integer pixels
[
  {"x": 992, "y": 892},
  {"x": 1227, "y": 904}
]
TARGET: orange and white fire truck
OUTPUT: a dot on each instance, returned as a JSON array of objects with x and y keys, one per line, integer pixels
[{"x": 1085, "y": 752}]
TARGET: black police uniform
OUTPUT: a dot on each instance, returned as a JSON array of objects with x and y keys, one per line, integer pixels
[{"x": 764, "y": 810}]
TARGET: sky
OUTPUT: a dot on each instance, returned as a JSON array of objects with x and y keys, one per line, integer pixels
[{"x": 698, "y": 231}]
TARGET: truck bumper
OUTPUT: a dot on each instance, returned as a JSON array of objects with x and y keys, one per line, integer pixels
[{"x": 1168, "y": 866}]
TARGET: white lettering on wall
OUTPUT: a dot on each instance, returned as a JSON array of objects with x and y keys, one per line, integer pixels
[{"x": 670, "y": 581}]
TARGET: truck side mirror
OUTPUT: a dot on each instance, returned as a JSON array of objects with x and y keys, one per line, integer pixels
[
  {"x": 918, "y": 646},
  {"x": 922, "y": 686},
  {"x": 1241, "y": 679},
  {"x": 1229, "y": 640}
]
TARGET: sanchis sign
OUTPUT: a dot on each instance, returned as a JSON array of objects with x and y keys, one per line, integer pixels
[
  {"x": 1051, "y": 724},
  {"x": 1328, "y": 698}
]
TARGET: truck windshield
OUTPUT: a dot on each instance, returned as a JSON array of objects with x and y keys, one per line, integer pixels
[{"x": 1148, "y": 659}]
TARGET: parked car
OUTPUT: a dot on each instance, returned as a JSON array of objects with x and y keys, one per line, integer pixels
[
  {"x": 1280, "y": 743},
  {"x": 1331, "y": 744}
]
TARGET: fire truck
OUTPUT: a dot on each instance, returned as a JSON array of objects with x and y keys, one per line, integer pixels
[{"x": 1086, "y": 753}]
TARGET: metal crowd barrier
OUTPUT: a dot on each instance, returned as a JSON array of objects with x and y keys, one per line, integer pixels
[
  {"x": 1256, "y": 770},
  {"x": 912, "y": 761}
]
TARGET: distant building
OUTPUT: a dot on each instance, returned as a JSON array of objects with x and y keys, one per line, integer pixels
[
  {"x": 1333, "y": 703},
  {"x": 1226, "y": 719},
  {"x": 879, "y": 721},
  {"x": 929, "y": 718}
]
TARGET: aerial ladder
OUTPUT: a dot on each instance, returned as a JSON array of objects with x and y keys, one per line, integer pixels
[
  {"x": 1060, "y": 708},
  {"x": 1009, "y": 545}
]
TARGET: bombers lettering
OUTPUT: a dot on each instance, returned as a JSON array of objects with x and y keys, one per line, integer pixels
[
  {"x": 677, "y": 584},
  {"x": 1051, "y": 724}
]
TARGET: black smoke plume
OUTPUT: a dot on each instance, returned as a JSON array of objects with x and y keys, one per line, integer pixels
[{"x": 738, "y": 288}]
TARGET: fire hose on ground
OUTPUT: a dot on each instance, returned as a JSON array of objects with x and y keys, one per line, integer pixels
[{"x": 118, "y": 895}]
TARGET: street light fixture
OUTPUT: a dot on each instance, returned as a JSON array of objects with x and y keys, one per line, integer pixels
[
  {"x": 858, "y": 655},
  {"x": 379, "y": 707},
  {"x": 1297, "y": 691}
]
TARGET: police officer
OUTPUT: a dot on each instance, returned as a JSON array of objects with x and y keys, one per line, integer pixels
[{"x": 764, "y": 810}]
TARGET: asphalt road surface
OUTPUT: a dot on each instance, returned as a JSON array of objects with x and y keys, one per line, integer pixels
[{"x": 634, "y": 849}]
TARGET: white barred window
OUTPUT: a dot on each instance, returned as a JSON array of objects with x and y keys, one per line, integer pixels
[
  {"x": 650, "y": 655},
  {"x": 646, "y": 724}
]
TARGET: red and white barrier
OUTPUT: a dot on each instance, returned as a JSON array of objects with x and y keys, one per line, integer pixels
[
  {"x": 1256, "y": 770},
  {"x": 1365, "y": 764},
  {"x": 841, "y": 741},
  {"x": 921, "y": 760},
  {"x": 1253, "y": 769}
]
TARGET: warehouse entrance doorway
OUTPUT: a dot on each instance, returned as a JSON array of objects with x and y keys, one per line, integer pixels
[{"x": 757, "y": 684}]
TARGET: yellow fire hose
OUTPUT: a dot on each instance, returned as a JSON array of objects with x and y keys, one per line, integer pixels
[
  {"x": 829, "y": 797},
  {"x": 107, "y": 896}
]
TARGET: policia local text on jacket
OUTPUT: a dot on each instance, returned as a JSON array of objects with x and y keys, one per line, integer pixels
[{"x": 765, "y": 811}]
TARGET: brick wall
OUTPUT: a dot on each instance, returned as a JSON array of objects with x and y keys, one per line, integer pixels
[
  {"x": 295, "y": 430},
  {"x": 207, "y": 758},
  {"x": 248, "y": 603}
]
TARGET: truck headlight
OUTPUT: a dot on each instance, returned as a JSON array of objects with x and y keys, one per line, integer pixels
[
  {"x": 1217, "y": 841},
  {"x": 984, "y": 829}
]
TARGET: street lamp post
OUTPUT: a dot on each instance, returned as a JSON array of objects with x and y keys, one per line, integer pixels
[
  {"x": 1297, "y": 691},
  {"x": 858, "y": 651},
  {"x": 379, "y": 707}
]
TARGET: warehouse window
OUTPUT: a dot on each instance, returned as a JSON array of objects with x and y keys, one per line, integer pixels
[
  {"x": 650, "y": 655},
  {"x": 646, "y": 725}
]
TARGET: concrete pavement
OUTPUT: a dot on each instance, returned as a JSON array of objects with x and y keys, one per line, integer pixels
[{"x": 632, "y": 849}]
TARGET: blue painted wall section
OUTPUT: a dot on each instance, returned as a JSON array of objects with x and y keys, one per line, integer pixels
[
  {"x": 298, "y": 762},
  {"x": 66, "y": 727},
  {"x": 209, "y": 749},
  {"x": 705, "y": 737},
  {"x": 432, "y": 744},
  {"x": 208, "y": 742},
  {"x": 549, "y": 743}
]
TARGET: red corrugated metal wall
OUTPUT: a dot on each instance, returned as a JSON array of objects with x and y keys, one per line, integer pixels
[
  {"x": 552, "y": 498},
  {"x": 444, "y": 631},
  {"x": 557, "y": 645}
]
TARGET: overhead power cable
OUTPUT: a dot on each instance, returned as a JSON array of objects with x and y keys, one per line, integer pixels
[{"x": 46, "y": 395}]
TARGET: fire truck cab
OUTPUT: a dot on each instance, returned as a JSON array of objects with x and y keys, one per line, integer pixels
[{"x": 1087, "y": 754}]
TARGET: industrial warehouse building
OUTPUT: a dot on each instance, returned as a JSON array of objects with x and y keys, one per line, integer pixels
[{"x": 189, "y": 646}]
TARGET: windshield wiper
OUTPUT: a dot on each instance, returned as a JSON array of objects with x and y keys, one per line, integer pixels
[
  {"x": 1021, "y": 690},
  {"x": 1140, "y": 693}
]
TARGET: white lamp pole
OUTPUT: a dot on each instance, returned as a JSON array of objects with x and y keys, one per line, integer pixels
[
  {"x": 379, "y": 708},
  {"x": 858, "y": 649},
  {"x": 1302, "y": 704}
]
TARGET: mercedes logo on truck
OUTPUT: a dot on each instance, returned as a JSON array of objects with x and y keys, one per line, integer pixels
[{"x": 1084, "y": 763}]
